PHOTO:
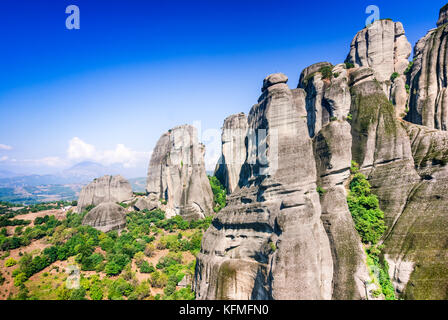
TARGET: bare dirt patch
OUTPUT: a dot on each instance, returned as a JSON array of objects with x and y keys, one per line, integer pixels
[{"x": 57, "y": 213}]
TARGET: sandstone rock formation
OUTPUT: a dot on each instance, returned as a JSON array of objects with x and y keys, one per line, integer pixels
[
  {"x": 381, "y": 147},
  {"x": 443, "y": 16},
  {"x": 428, "y": 102},
  {"x": 106, "y": 217},
  {"x": 332, "y": 149},
  {"x": 147, "y": 203},
  {"x": 177, "y": 174},
  {"x": 383, "y": 47},
  {"x": 412, "y": 195},
  {"x": 104, "y": 189},
  {"x": 278, "y": 239},
  {"x": 270, "y": 241},
  {"x": 326, "y": 99},
  {"x": 233, "y": 137},
  {"x": 415, "y": 246}
]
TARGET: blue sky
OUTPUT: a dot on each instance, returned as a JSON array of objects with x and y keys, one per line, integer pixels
[{"x": 136, "y": 68}]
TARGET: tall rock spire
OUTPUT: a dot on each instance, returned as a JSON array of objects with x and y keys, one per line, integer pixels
[
  {"x": 428, "y": 102},
  {"x": 177, "y": 174}
]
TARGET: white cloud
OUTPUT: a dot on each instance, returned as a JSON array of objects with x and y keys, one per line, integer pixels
[
  {"x": 79, "y": 150},
  {"x": 5, "y": 147}
]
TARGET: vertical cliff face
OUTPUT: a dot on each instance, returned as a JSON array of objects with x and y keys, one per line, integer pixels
[
  {"x": 383, "y": 47},
  {"x": 382, "y": 148},
  {"x": 428, "y": 102},
  {"x": 415, "y": 246},
  {"x": 332, "y": 149},
  {"x": 177, "y": 174},
  {"x": 234, "y": 134},
  {"x": 270, "y": 241},
  {"x": 327, "y": 94},
  {"x": 104, "y": 189},
  {"x": 278, "y": 239},
  {"x": 443, "y": 16},
  {"x": 406, "y": 165}
]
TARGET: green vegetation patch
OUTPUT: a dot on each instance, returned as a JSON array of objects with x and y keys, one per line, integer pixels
[
  {"x": 109, "y": 257},
  {"x": 369, "y": 222},
  {"x": 219, "y": 193}
]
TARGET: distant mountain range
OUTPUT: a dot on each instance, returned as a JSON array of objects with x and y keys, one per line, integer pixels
[
  {"x": 83, "y": 172},
  {"x": 65, "y": 185},
  {"x": 7, "y": 174}
]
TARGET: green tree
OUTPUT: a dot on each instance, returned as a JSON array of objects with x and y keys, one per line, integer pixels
[
  {"x": 78, "y": 294},
  {"x": 10, "y": 262},
  {"x": 219, "y": 193},
  {"x": 145, "y": 267},
  {"x": 364, "y": 207},
  {"x": 327, "y": 72},
  {"x": 112, "y": 269},
  {"x": 96, "y": 292}
]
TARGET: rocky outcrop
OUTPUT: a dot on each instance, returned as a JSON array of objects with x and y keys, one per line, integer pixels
[
  {"x": 233, "y": 138},
  {"x": 383, "y": 47},
  {"x": 382, "y": 148},
  {"x": 332, "y": 149},
  {"x": 406, "y": 165},
  {"x": 177, "y": 174},
  {"x": 270, "y": 241},
  {"x": 443, "y": 16},
  {"x": 310, "y": 71},
  {"x": 106, "y": 217},
  {"x": 318, "y": 114},
  {"x": 415, "y": 246},
  {"x": 279, "y": 239},
  {"x": 327, "y": 96},
  {"x": 147, "y": 203},
  {"x": 104, "y": 189},
  {"x": 428, "y": 102}
]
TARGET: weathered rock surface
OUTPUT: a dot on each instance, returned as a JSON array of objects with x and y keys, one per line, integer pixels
[
  {"x": 233, "y": 151},
  {"x": 104, "y": 189},
  {"x": 428, "y": 102},
  {"x": 332, "y": 149},
  {"x": 443, "y": 16},
  {"x": 309, "y": 72},
  {"x": 177, "y": 174},
  {"x": 273, "y": 79},
  {"x": 106, "y": 217},
  {"x": 326, "y": 99},
  {"x": 147, "y": 203},
  {"x": 382, "y": 148},
  {"x": 383, "y": 46},
  {"x": 415, "y": 245},
  {"x": 318, "y": 114},
  {"x": 278, "y": 239},
  {"x": 406, "y": 165},
  {"x": 360, "y": 75},
  {"x": 270, "y": 241},
  {"x": 399, "y": 96}
]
